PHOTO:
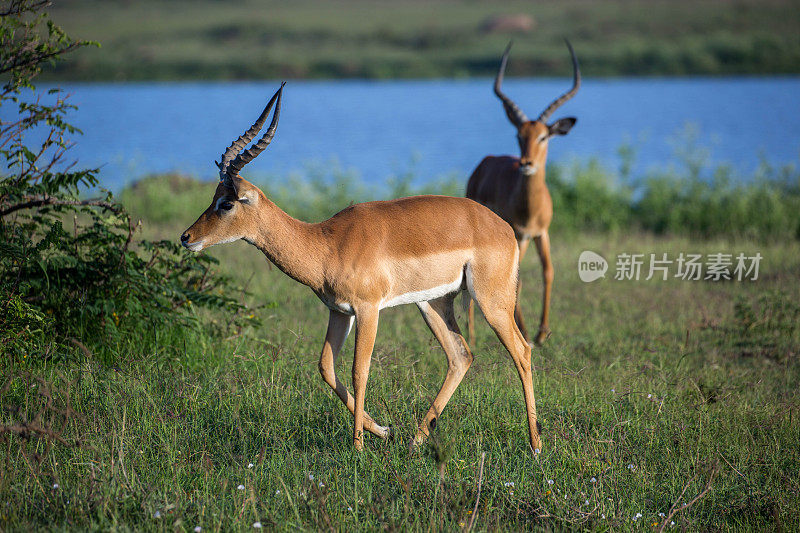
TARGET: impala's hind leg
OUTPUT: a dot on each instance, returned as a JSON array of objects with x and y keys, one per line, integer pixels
[
  {"x": 338, "y": 328},
  {"x": 494, "y": 288},
  {"x": 439, "y": 316},
  {"x": 509, "y": 334},
  {"x": 471, "y": 320}
]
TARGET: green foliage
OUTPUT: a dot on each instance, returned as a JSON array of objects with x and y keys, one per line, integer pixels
[
  {"x": 72, "y": 259},
  {"x": 151, "y": 39},
  {"x": 587, "y": 198},
  {"x": 693, "y": 200},
  {"x": 766, "y": 208}
]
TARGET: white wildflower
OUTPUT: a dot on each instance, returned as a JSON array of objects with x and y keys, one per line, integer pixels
[
  {"x": 508, "y": 484},
  {"x": 257, "y": 525},
  {"x": 311, "y": 477},
  {"x": 250, "y": 465},
  {"x": 593, "y": 480},
  {"x": 55, "y": 485},
  {"x": 278, "y": 492},
  {"x": 197, "y": 529},
  {"x": 550, "y": 481},
  {"x": 157, "y": 514},
  {"x": 240, "y": 487}
]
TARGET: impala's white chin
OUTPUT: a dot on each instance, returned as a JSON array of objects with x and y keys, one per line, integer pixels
[{"x": 195, "y": 246}]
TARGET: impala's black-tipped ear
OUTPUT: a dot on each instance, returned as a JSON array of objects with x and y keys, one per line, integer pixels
[{"x": 562, "y": 126}]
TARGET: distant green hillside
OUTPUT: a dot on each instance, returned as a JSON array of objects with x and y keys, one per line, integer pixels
[{"x": 208, "y": 39}]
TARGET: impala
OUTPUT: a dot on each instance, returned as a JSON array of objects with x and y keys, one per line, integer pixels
[
  {"x": 514, "y": 187},
  {"x": 370, "y": 256}
]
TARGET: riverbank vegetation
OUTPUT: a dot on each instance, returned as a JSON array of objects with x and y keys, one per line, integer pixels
[{"x": 181, "y": 40}]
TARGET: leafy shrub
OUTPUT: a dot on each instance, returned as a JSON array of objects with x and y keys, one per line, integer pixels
[{"x": 69, "y": 265}]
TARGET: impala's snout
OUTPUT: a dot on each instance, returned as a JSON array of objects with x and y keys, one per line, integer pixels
[
  {"x": 186, "y": 241},
  {"x": 528, "y": 168}
]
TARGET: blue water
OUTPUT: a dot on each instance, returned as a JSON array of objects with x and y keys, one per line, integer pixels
[{"x": 434, "y": 128}]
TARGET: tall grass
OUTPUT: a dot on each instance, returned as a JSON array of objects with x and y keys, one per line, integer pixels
[
  {"x": 661, "y": 401},
  {"x": 648, "y": 394}
]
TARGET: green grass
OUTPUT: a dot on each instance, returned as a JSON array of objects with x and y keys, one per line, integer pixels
[
  {"x": 413, "y": 38},
  {"x": 649, "y": 388}
]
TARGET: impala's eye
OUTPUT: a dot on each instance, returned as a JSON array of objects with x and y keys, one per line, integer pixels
[{"x": 226, "y": 206}]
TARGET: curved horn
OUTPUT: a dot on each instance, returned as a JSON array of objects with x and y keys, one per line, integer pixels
[
  {"x": 226, "y": 165},
  {"x": 515, "y": 114},
  {"x": 576, "y": 83}
]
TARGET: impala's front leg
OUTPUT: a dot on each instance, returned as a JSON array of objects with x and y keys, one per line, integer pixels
[
  {"x": 543, "y": 247},
  {"x": 338, "y": 327},
  {"x": 523, "y": 243},
  {"x": 366, "y": 329}
]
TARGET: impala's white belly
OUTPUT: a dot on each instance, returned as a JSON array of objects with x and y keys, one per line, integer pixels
[{"x": 423, "y": 295}]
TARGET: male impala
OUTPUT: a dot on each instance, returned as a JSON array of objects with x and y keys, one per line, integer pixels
[
  {"x": 421, "y": 250},
  {"x": 514, "y": 187}
]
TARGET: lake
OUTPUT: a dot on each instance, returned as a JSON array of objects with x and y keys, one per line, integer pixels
[{"x": 433, "y": 128}]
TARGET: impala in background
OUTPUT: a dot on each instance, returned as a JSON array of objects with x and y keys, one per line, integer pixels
[
  {"x": 514, "y": 187},
  {"x": 422, "y": 250}
]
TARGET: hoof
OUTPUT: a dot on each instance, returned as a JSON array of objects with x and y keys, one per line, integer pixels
[
  {"x": 542, "y": 336},
  {"x": 416, "y": 442}
]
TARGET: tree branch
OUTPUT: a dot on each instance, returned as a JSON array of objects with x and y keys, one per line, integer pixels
[{"x": 49, "y": 200}]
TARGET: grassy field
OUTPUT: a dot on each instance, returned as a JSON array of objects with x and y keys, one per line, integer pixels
[
  {"x": 661, "y": 401},
  {"x": 208, "y": 39}
]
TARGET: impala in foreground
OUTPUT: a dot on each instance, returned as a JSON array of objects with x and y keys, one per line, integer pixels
[{"x": 369, "y": 256}]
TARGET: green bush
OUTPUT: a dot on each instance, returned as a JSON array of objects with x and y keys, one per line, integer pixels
[{"x": 70, "y": 267}]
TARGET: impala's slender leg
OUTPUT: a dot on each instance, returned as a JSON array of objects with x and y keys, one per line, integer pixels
[
  {"x": 440, "y": 317},
  {"x": 338, "y": 328},
  {"x": 543, "y": 247},
  {"x": 471, "y": 320},
  {"x": 495, "y": 302},
  {"x": 509, "y": 334},
  {"x": 366, "y": 329},
  {"x": 523, "y": 243}
]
